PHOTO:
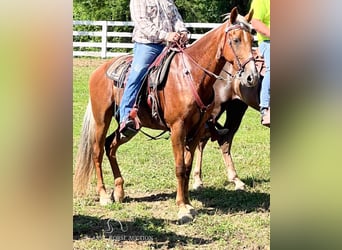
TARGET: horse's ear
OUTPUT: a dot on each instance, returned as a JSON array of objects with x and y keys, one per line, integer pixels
[
  {"x": 233, "y": 15},
  {"x": 249, "y": 16}
]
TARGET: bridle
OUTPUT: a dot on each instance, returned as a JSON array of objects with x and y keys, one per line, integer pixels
[{"x": 237, "y": 25}]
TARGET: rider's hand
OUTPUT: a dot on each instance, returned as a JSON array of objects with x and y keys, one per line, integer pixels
[
  {"x": 184, "y": 37},
  {"x": 173, "y": 37}
]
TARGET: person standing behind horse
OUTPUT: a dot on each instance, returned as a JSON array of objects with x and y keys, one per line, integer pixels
[
  {"x": 155, "y": 23},
  {"x": 261, "y": 23}
]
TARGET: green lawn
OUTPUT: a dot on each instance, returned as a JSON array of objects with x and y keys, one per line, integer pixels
[{"x": 226, "y": 219}]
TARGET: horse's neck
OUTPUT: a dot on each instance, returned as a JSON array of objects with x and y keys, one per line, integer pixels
[{"x": 204, "y": 52}]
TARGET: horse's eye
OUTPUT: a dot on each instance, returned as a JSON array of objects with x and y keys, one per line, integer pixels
[{"x": 236, "y": 40}]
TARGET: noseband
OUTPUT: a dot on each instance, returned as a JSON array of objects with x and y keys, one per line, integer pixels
[{"x": 236, "y": 26}]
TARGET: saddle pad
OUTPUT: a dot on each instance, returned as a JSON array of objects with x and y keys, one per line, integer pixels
[{"x": 119, "y": 67}]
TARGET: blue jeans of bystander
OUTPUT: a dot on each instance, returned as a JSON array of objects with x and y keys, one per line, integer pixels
[{"x": 264, "y": 48}]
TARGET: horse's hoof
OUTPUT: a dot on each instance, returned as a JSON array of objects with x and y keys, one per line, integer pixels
[
  {"x": 186, "y": 214},
  {"x": 240, "y": 186},
  {"x": 184, "y": 219},
  {"x": 105, "y": 200},
  {"x": 197, "y": 186},
  {"x": 118, "y": 197},
  {"x": 191, "y": 209}
]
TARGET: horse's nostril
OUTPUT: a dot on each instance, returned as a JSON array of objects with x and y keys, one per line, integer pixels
[{"x": 249, "y": 79}]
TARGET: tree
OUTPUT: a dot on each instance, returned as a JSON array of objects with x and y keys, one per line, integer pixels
[
  {"x": 191, "y": 10},
  {"x": 98, "y": 10},
  {"x": 209, "y": 11}
]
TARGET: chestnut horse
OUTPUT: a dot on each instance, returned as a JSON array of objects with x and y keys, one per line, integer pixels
[
  {"x": 186, "y": 103},
  {"x": 233, "y": 97}
]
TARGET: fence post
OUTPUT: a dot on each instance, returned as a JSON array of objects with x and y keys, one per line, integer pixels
[{"x": 104, "y": 39}]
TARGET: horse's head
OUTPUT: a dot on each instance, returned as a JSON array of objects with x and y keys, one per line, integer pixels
[{"x": 236, "y": 47}]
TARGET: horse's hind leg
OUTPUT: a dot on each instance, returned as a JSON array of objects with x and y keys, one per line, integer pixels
[
  {"x": 98, "y": 151},
  {"x": 235, "y": 112},
  {"x": 112, "y": 144}
]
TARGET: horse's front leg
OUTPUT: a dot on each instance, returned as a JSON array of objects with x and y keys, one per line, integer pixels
[
  {"x": 231, "y": 172},
  {"x": 186, "y": 211},
  {"x": 235, "y": 112},
  {"x": 188, "y": 159},
  {"x": 198, "y": 183}
]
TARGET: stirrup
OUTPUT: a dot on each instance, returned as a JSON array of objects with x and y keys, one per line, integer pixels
[{"x": 127, "y": 128}]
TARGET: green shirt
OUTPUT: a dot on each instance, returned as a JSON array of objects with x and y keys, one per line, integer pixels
[{"x": 262, "y": 12}]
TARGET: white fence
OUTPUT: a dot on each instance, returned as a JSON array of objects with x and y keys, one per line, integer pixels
[{"x": 105, "y": 29}]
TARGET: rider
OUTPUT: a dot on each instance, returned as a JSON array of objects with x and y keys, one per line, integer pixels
[
  {"x": 155, "y": 23},
  {"x": 261, "y": 23}
]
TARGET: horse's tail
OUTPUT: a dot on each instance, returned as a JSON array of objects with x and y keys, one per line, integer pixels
[{"x": 84, "y": 158}]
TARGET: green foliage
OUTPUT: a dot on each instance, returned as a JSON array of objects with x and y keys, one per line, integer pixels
[
  {"x": 209, "y": 11},
  {"x": 191, "y": 10},
  {"x": 97, "y": 10}
]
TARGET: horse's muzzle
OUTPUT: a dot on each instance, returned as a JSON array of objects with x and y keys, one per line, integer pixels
[{"x": 249, "y": 76}]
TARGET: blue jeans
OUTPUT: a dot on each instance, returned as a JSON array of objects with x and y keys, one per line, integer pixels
[
  {"x": 264, "y": 48},
  {"x": 144, "y": 55}
]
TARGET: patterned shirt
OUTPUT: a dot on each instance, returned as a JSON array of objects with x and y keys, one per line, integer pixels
[{"x": 153, "y": 19}]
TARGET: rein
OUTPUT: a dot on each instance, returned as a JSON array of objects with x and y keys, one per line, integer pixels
[
  {"x": 155, "y": 137},
  {"x": 181, "y": 49},
  {"x": 187, "y": 72}
]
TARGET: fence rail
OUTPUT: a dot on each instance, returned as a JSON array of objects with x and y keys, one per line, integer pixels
[{"x": 101, "y": 42}]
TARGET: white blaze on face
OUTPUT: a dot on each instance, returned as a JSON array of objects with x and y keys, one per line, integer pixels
[{"x": 245, "y": 35}]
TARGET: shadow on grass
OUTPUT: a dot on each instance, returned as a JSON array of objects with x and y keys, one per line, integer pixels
[
  {"x": 223, "y": 200},
  {"x": 251, "y": 182},
  {"x": 141, "y": 229},
  {"x": 153, "y": 197},
  {"x": 152, "y": 231}
]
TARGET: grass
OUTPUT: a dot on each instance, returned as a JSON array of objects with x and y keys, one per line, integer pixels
[{"x": 226, "y": 219}]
